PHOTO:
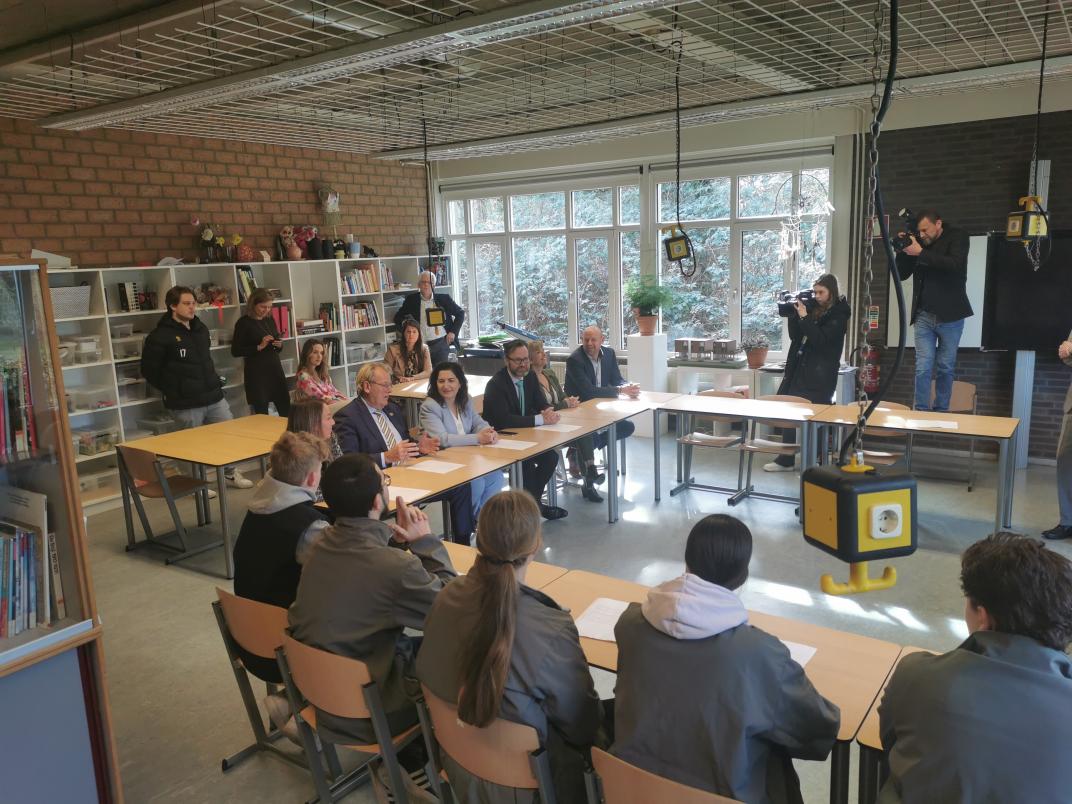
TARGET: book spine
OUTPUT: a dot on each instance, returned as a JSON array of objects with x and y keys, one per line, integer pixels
[
  {"x": 57, "y": 580},
  {"x": 31, "y": 580},
  {"x": 31, "y": 426},
  {"x": 42, "y": 572},
  {"x": 4, "y": 586}
]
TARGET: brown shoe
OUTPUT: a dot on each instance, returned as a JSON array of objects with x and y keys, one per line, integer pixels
[{"x": 574, "y": 464}]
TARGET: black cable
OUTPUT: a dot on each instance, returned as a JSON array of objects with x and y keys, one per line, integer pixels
[
  {"x": 1038, "y": 104},
  {"x": 677, "y": 165},
  {"x": 427, "y": 186}
]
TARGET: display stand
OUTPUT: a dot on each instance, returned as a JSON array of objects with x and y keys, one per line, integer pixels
[{"x": 647, "y": 368}]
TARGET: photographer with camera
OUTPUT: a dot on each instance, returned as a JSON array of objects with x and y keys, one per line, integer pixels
[
  {"x": 817, "y": 325},
  {"x": 936, "y": 257}
]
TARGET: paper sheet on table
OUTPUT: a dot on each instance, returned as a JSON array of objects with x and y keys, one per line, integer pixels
[
  {"x": 439, "y": 467},
  {"x": 801, "y": 654},
  {"x": 561, "y": 428},
  {"x": 599, "y": 619},
  {"x": 936, "y": 424},
  {"x": 504, "y": 443},
  {"x": 407, "y": 494}
]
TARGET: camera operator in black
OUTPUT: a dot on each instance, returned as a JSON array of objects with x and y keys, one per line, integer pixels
[{"x": 817, "y": 337}]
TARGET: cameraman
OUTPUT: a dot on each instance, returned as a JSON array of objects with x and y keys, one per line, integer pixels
[
  {"x": 937, "y": 261},
  {"x": 817, "y": 337}
]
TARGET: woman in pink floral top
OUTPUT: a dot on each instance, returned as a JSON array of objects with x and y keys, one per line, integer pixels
[{"x": 313, "y": 378}]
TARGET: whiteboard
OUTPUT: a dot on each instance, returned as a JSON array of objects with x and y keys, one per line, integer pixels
[{"x": 973, "y": 327}]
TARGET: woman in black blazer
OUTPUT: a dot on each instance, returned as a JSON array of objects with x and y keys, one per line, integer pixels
[{"x": 258, "y": 341}]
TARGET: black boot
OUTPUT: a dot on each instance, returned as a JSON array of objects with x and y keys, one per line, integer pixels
[
  {"x": 588, "y": 491},
  {"x": 594, "y": 477}
]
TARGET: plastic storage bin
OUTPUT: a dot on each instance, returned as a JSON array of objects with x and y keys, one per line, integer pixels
[
  {"x": 159, "y": 424},
  {"x": 288, "y": 365},
  {"x": 91, "y": 397},
  {"x": 68, "y": 351},
  {"x": 122, "y": 330},
  {"x": 96, "y": 440},
  {"x": 88, "y": 356},
  {"x": 220, "y": 337},
  {"x": 126, "y": 348},
  {"x": 131, "y": 390}
]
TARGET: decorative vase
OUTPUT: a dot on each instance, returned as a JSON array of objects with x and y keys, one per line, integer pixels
[
  {"x": 757, "y": 357},
  {"x": 293, "y": 251},
  {"x": 207, "y": 253},
  {"x": 645, "y": 323},
  {"x": 245, "y": 253}
]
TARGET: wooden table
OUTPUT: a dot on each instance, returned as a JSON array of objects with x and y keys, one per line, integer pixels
[
  {"x": 847, "y": 669},
  {"x": 690, "y": 405},
  {"x": 538, "y": 576},
  {"x": 1000, "y": 429},
  {"x": 256, "y": 426}
]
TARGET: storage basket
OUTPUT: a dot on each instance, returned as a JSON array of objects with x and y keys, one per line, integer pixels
[{"x": 71, "y": 302}]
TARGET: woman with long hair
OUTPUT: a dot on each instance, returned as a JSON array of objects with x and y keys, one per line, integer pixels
[
  {"x": 408, "y": 357},
  {"x": 257, "y": 340},
  {"x": 448, "y": 414},
  {"x": 314, "y": 381},
  {"x": 314, "y": 416},
  {"x": 817, "y": 337},
  {"x": 501, "y": 649}
]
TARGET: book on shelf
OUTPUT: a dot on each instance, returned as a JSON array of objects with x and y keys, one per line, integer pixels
[
  {"x": 128, "y": 297},
  {"x": 360, "y": 314},
  {"x": 329, "y": 315},
  {"x": 439, "y": 266},
  {"x": 281, "y": 317},
  {"x": 247, "y": 282},
  {"x": 311, "y": 326},
  {"x": 31, "y": 589},
  {"x": 363, "y": 279},
  {"x": 19, "y": 438}
]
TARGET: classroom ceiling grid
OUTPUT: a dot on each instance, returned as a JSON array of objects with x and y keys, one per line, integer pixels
[{"x": 491, "y": 76}]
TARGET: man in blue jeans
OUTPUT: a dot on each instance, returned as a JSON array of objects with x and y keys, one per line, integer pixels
[{"x": 937, "y": 261}]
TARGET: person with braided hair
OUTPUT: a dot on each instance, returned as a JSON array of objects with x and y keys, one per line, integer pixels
[{"x": 499, "y": 648}]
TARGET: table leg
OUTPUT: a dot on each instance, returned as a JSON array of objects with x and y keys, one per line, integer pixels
[
  {"x": 1002, "y": 481},
  {"x": 225, "y": 526},
  {"x": 655, "y": 428},
  {"x": 870, "y": 768},
  {"x": 515, "y": 475},
  {"x": 806, "y": 436},
  {"x": 202, "y": 474},
  {"x": 612, "y": 473},
  {"x": 128, "y": 516},
  {"x": 839, "y": 773},
  {"x": 1010, "y": 470},
  {"x": 679, "y": 432}
]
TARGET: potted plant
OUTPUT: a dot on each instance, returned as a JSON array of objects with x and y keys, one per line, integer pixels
[
  {"x": 755, "y": 347},
  {"x": 646, "y": 296}
]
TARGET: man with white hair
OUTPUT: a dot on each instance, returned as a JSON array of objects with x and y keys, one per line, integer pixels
[{"x": 439, "y": 316}]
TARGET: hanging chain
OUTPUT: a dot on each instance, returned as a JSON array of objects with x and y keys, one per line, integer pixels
[
  {"x": 870, "y": 227},
  {"x": 679, "y": 52},
  {"x": 1034, "y": 247}
]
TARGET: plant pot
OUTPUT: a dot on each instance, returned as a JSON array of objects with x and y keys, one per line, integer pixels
[
  {"x": 645, "y": 323},
  {"x": 293, "y": 251},
  {"x": 757, "y": 357}
]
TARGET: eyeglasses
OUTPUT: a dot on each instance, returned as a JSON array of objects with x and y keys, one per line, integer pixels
[
  {"x": 518, "y": 360},
  {"x": 386, "y": 385}
]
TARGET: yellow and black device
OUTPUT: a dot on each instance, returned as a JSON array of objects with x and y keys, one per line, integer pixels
[
  {"x": 1027, "y": 223},
  {"x": 435, "y": 317},
  {"x": 676, "y": 245},
  {"x": 858, "y": 515}
]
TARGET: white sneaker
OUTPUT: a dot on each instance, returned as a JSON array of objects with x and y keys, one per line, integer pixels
[
  {"x": 774, "y": 466},
  {"x": 238, "y": 481},
  {"x": 211, "y": 494},
  {"x": 279, "y": 713}
]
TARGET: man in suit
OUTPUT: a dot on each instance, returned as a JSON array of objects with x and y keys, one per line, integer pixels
[
  {"x": 374, "y": 425},
  {"x": 437, "y": 338},
  {"x": 988, "y": 721},
  {"x": 938, "y": 263},
  {"x": 1063, "y": 529},
  {"x": 513, "y": 399},
  {"x": 592, "y": 373}
]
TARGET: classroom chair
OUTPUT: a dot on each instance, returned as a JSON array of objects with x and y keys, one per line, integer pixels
[
  {"x": 887, "y": 457},
  {"x": 503, "y": 753},
  {"x": 257, "y": 628},
  {"x": 716, "y": 440},
  {"x": 318, "y": 680},
  {"x": 615, "y": 781},
  {"x": 142, "y": 475},
  {"x": 754, "y": 444},
  {"x": 964, "y": 399}
]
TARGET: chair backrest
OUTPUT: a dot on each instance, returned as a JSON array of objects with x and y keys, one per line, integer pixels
[
  {"x": 330, "y": 682},
  {"x": 783, "y": 398},
  {"x": 624, "y": 783},
  {"x": 257, "y": 627},
  {"x": 721, "y": 394},
  {"x": 140, "y": 464},
  {"x": 962, "y": 398},
  {"x": 498, "y": 753}
]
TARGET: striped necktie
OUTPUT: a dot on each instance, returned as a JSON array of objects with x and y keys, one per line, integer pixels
[{"x": 389, "y": 437}]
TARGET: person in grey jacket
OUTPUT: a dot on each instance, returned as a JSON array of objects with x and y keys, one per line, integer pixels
[
  {"x": 447, "y": 413},
  {"x": 365, "y": 582},
  {"x": 989, "y": 721},
  {"x": 732, "y": 707},
  {"x": 1063, "y": 529},
  {"x": 500, "y": 649}
]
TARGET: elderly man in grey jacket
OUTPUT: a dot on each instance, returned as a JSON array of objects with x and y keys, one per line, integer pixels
[
  {"x": 363, "y": 583},
  {"x": 1063, "y": 529}
]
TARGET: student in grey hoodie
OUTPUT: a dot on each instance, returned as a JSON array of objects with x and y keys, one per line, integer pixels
[{"x": 706, "y": 699}]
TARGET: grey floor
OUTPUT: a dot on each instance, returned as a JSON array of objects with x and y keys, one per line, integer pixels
[{"x": 176, "y": 710}]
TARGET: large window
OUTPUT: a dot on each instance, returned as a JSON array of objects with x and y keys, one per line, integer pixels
[{"x": 549, "y": 260}]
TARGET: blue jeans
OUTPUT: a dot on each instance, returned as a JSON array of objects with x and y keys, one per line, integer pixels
[
  {"x": 936, "y": 348},
  {"x": 483, "y": 489}
]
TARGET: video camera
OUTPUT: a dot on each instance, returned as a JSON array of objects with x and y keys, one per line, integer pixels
[
  {"x": 909, "y": 228},
  {"x": 787, "y": 302}
]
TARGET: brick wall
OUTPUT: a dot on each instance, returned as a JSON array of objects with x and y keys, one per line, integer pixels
[
  {"x": 113, "y": 197},
  {"x": 973, "y": 173}
]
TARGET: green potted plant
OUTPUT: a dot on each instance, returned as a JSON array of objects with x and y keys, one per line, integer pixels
[
  {"x": 756, "y": 346},
  {"x": 646, "y": 297}
]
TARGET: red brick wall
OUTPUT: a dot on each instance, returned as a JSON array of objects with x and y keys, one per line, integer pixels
[
  {"x": 113, "y": 197},
  {"x": 973, "y": 173}
]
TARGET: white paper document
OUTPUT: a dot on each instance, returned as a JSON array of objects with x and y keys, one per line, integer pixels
[
  {"x": 801, "y": 654},
  {"x": 561, "y": 428},
  {"x": 936, "y": 424},
  {"x": 503, "y": 443},
  {"x": 409, "y": 495},
  {"x": 599, "y": 619},
  {"x": 439, "y": 467}
]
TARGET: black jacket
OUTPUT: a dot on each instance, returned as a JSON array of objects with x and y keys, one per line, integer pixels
[
  {"x": 177, "y": 361},
  {"x": 811, "y": 370},
  {"x": 581, "y": 377},
  {"x": 940, "y": 276},
  {"x": 262, "y": 370},
  {"x": 502, "y": 410},
  {"x": 411, "y": 307}
]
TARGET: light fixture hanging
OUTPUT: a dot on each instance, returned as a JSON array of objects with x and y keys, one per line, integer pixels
[{"x": 677, "y": 243}]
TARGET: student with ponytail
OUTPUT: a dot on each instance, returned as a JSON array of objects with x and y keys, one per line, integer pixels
[{"x": 499, "y": 648}]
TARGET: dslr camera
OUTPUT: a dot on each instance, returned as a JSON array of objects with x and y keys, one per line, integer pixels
[
  {"x": 909, "y": 228},
  {"x": 787, "y": 302}
]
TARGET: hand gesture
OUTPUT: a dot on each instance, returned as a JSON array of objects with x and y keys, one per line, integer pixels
[
  {"x": 572, "y": 401},
  {"x": 913, "y": 249},
  {"x": 801, "y": 309},
  {"x": 401, "y": 451},
  {"x": 1064, "y": 350},
  {"x": 632, "y": 390},
  {"x": 428, "y": 445},
  {"x": 267, "y": 339},
  {"x": 487, "y": 436},
  {"x": 410, "y": 523},
  {"x": 550, "y": 416}
]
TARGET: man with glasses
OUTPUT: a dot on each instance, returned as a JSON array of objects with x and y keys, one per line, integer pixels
[
  {"x": 371, "y": 423},
  {"x": 513, "y": 399}
]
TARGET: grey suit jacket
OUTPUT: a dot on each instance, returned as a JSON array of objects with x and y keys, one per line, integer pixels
[
  {"x": 437, "y": 421},
  {"x": 356, "y": 595},
  {"x": 1068, "y": 394}
]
